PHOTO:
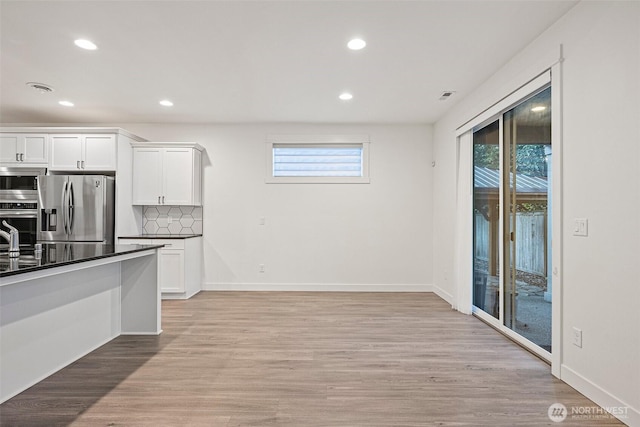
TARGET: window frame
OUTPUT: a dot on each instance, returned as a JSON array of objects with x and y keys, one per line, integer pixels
[{"x": 279, "y": 140}]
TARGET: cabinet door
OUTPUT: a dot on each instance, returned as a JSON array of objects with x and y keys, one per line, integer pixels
[
  {"x": 9, "y": 150},
  {"x": 24, "y": 149},
  {"x": 99, "y": 153},
  {"x": 171, "y": 262},
  {"x": 178, "y": 176},
  {"x": 65, "y": 152},
  {"x": 36, "y": 148},
  {"x": 147, "y": 176}
]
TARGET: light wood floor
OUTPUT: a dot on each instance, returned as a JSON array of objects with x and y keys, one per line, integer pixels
[{"x": 303, "y": 359}]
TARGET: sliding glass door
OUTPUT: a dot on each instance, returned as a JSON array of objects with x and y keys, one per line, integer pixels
[
  {"x": 486, "y": 214},
  {"x": 511, "y": 218}
]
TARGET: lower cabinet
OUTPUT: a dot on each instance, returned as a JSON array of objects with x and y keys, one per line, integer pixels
[{"x": 179, "y": 265}]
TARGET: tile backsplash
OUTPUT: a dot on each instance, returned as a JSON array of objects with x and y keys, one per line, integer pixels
[{"x": 172, "y": 220}]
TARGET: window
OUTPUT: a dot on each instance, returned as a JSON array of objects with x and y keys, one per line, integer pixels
[{"x": 317, "y": 159}]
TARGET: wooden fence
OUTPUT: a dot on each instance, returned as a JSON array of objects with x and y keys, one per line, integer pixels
[{"x": 530, "y": 241}]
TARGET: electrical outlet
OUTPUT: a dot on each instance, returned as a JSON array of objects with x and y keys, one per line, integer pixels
[
  {"x": 577, "y": 337},
  {"x": 262, "y": 220},
  {"x": 261, "y": 268}
]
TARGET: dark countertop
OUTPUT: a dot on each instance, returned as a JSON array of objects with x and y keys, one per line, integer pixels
[
  {"x": 59, "y": 254},
  {"x": 161, "y": 236}
]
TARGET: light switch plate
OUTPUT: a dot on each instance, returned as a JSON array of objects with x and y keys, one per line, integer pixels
[
  {"x": 577, "y": 337},
  {"x": 580, "y": 227}
]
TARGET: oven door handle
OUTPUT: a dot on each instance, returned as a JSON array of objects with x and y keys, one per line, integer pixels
[{"x": 18, "y": 213}]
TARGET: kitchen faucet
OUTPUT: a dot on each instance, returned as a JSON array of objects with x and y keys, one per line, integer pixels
[{"x": 13, "y": 238}]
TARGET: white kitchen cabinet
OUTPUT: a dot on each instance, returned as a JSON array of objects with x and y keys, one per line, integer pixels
[
  {"x": 147, "y": 176},
  {"x": 24, "y": 149},
  {"x": 90, "y": 152},
  {"x": 172, "y": 272},
  {"x": 179, "y": 265},
  {"x": 167, "y": 174}
]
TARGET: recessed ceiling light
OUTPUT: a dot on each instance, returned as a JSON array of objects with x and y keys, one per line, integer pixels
[
  {"x": 345, "y": 96},
  {"x": 166, "y": 103},
  {"x": 538, "y": 108},
  {"x": 66, "y": 103},
  {"x": 85, "y": 44},
  {"x": 40, "y": 87},
  {"x": 356, "y": 44}
]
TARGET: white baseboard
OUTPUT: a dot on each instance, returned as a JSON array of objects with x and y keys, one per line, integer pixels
[
  {"x": 181, "y": 295},
  {"x": 317, "y": 287},
  {"x": 621, "y": 410},
  {"x": 154, "y": 334},
  {"x": 443, "y": 294}
]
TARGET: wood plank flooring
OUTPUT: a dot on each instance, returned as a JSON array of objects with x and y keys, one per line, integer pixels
[{"x": 303, "y": 359}]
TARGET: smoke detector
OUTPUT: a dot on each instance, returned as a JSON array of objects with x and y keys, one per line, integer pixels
[
  {"x": 40, "y": 87},
  {"x": 446, "y": 94}
]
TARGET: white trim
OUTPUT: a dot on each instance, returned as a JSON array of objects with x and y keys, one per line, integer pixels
[
  {"x": 317, "y": 138},
  {"x": 317, "y": 287},
  {"x": 463, "y": 237},
  {"x": 155, "y": 144},
  {"x": 556, "y": 221},
  {"x": 67, "y": 129},
  {"x": 317, "y": 179},
  {"x": 181, "y": 295},
  {"x": 151, "y": 334},
  {"x": 501, "y": 224},
  {"x": 443, "y": 294},
  {"x": 301, "y": 139},
  {"x": 602, "y": 397},
  {"x": 507, "y": 102}
]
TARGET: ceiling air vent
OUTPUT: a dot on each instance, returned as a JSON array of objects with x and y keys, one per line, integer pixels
[
  {"x": 446, "y": 94},
  {"x": 40, "y": 87}
]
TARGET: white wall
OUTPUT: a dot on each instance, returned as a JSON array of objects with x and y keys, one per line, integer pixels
[
  {"x": 373, "y": 236},
  {"x": 601, "y": 182}
]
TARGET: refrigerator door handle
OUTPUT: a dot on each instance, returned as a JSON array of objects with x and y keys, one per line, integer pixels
[
  {"x": 64, "y": 207},
  {"x": 71, "y": 207}
]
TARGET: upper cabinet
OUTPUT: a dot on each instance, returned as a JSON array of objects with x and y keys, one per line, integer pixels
[
  {"x": 78, "y": 152},
  {"x": 167, "y": 173},
  {"x": 24, "y": 149}
]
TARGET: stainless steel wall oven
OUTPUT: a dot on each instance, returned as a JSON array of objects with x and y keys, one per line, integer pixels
[{"x": 19, "y": 202}]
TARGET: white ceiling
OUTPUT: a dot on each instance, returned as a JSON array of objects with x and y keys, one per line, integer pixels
[{"x": 255, "y": 61}]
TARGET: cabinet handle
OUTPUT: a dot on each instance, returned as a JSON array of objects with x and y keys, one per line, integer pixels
[
  {"x": 82, "y": 164},
  {"x": 163, "y": 200},
  {"x": 77, "y": 164},
  {"x": 158, "y": 199},
  {"x": 22, "y": 157}
]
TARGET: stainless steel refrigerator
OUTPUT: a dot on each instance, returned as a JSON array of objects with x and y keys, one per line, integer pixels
[{"x": 76, "y": 208}]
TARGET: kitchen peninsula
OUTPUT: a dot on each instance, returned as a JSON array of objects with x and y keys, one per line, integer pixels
[{"x": 57, "y": 306}]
